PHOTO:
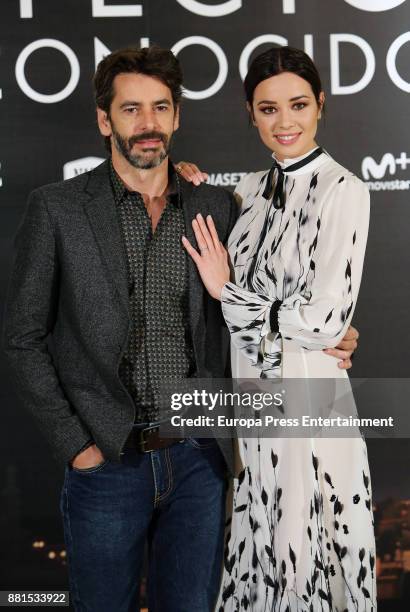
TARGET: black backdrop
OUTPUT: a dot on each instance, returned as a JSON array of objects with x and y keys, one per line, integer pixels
[{"x": 48, "y": 55}]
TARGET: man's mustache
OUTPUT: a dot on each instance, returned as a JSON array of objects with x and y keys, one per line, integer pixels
[{"x": 147, "y": 136}]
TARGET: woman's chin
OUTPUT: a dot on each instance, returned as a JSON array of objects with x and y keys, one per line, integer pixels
[{"x": 284, "y": 151}]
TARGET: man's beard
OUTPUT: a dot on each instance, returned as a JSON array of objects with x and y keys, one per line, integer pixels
[{"x": 141, "y": 161}]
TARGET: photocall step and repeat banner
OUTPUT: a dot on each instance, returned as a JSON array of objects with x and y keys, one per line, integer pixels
[{"x": 49, "y": 52}]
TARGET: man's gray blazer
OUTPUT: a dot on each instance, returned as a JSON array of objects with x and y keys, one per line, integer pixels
[{"x": 67, "y": 318}]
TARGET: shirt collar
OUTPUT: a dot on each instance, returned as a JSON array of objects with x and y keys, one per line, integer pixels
[
  {"x": 289, "y": 161},
  {"x": 118, "y": 187},
  {"x": 120, "y": 190}
]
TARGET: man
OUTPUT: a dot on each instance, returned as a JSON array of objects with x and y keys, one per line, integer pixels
[{"x": 104, "y": 305}]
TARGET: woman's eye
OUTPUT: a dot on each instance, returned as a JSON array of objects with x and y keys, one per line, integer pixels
[
  {"x": 268, "y": 110},
  {"x": 299, "y": 106}
]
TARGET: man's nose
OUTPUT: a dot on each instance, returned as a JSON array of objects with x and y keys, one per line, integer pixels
[{"x": 148, "y": 120}]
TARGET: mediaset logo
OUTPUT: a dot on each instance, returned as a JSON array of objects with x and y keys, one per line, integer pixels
[
  {"x": 79, "y": 166},
  {"x": 389, "y": 164},
  {"x": 225, "y": 179}
]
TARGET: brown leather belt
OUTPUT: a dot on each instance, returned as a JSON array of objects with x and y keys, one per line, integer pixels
[{"x": 148, "y": 439}]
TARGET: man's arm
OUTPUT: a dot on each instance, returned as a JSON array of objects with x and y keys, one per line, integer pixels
[
  {"x": 29, "y": 319},
  {"x": 345, "y": 349}
]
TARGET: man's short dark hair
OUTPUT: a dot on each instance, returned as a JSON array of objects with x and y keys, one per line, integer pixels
[{"x": 152, "y": 61}]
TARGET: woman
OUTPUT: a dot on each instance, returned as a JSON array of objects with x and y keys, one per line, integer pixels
[{"x": 301, "y": 536}]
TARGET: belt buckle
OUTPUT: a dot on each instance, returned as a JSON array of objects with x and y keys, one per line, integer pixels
[{"x": 142, "y": 441}]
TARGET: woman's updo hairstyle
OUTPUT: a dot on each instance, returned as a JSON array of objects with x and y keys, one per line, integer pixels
[{"x": 277, "y": 60}]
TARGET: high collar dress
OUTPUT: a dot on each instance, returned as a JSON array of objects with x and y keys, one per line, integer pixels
[{"x": 301, "y": 534}]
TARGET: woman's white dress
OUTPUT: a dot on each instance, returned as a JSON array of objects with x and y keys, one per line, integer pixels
[{"x": 301, "y": 533}]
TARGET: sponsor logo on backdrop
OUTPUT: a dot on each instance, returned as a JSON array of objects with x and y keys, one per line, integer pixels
[
  {"x": 79, "y": 166},
  {"x": 226, "y": 179},
  {"x": 389, "y": 165}
]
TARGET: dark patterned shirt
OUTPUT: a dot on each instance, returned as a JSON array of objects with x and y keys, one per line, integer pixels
[{"x": 159, "y": 343}]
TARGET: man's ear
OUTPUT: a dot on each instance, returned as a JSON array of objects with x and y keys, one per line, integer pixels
[
  {"x": 176, "y": 118},
  {"x": 251, "y": 115},
  {"x": 104, "y": 123}
]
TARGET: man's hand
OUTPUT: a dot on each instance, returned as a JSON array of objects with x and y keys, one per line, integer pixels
[
  {"x": 88, "y": 458},
  {"x": 345, "y": 349},
  {"x": 191, "y": 173}
]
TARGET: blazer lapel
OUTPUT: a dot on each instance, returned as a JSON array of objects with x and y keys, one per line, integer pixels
[{"x": 103, "y": 218}]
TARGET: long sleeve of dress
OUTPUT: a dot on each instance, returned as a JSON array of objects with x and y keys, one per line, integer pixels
[
  {"x": 320, "y": 319},
  {"x": 318, "y": 313}
]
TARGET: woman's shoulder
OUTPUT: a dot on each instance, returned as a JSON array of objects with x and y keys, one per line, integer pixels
[
  {"x": 344, "y": 193},
  {"x": 334, "y": 173}
]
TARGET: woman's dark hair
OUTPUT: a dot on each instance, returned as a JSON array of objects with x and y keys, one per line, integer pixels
[
  {"x": 151, "y": 61},
  {"x": 277, "y": 60}
]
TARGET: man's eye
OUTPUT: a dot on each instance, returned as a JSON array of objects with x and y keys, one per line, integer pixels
[
  {"x": 131, "y": 109},
  {"x": 162, "y": 107}
]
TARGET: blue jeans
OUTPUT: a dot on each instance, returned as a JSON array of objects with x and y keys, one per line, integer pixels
[{"x": 173, "y": 499}]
